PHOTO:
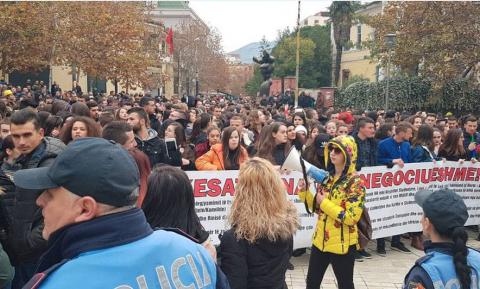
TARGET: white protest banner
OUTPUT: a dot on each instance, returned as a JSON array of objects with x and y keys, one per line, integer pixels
[
  {"x": 214, "y": 191},
  {"x": 390, "y": 193},
  {"x": 389, "y": 197}
]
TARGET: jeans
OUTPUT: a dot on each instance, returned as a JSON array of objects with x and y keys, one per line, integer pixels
[
  {"x": 381, "y": 241},
  {"x": 342, "y": 268}
]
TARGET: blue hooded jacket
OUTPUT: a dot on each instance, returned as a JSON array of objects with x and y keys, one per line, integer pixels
[{"x": 120, "y": 250}]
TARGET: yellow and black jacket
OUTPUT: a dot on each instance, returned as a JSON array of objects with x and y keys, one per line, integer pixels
[{"x": 343, "y": 205}]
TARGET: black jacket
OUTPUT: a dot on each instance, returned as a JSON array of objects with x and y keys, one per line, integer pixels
[
  {"x": 7, "y": 200},
  {"x": 26, "y": 243},
  {"x": 154, "y": 123},
  {"x": 156, "y": 150},
  {"x": 367, "y": 152},
  {"x": 260, "y": 265}
]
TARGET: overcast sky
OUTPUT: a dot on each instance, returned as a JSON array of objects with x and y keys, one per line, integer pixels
[{"x": 243, "y": 22}]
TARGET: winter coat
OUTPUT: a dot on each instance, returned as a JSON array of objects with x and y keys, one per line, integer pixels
[
  {"x": 213, "y": 159},
  {"x": 201, "y": 149},
  {"x": 339, "y": 212},
  {"x": 95, "y": 248},
  {"x": 389, "y": 149},
  {"x": 6, "y": 270},
  {"x": 421, "y": 154},
  {"x": 156, "y": 150},
  {"x": 468, "y": 138},
  {"x": 25, "y": 237},
  {"x": 261, "y": 264},
  {"x": 436, "y": 269},
  {"x": 367, "y": 152}
]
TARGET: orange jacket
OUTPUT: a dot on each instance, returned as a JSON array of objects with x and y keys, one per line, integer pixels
[{"x": 213, "y": 159}]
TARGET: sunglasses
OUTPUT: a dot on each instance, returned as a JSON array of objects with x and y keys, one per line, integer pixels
[{"x": 334, "y": 149}]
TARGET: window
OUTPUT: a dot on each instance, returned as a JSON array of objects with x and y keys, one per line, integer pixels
[
  {"x": 358, "y": 44},
  {"x": 305, "y": 22},
  {"x": 316, "y": 22}
]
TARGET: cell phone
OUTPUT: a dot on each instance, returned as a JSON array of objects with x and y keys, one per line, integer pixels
[{"x": 171, "y": 144}]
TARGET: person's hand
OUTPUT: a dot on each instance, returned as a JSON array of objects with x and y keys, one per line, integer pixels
[
  {"x": 182, "y": 150},
  {"x": 472, "y": 146},
  {"x": 474, "y": 160},
  {"x": 301, "y": 185},
  {"x": 55, "y": 132},
  {"x": 319, "y": 198},
  {"x": 185, "y": 162},
  {"x": 398, "y": 162},
  {"x": 461, "y": 161}
]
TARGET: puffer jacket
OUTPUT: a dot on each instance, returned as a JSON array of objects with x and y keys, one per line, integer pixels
[
  {"x": 213, "y": 159},
  {"x": 339, "y": 212}
]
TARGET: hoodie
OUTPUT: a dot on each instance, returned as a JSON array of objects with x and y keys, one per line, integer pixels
[{"x": 341, "y": 209}]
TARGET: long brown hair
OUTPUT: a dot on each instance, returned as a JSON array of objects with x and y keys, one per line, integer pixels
[
  {"x": 260, "y": 192},
  {"x": 451, "y": 145},
  {"x": 227, "y": 133},
  {"x": 266, "y": 142},
  {"x": 180, "y": 137},
  {"x": 424, "y": 137}
]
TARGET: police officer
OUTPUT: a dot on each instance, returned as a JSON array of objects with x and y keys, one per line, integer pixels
[
  {"x": 448, "y": 262},
  {"x": 97, "y": 238}
]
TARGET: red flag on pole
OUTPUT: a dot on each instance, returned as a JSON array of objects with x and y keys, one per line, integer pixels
[{"x": 169, "y": 40}]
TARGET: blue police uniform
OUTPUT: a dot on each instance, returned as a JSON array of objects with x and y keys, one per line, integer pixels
[
  {"x": 120, "y": 251},
  {"x": 436, "y": 269}
]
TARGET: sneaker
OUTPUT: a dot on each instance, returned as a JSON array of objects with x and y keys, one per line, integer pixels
[
  {"x": 365, "y": 254},
  {"x": 381, "y": 252},
  {"x": 290, "y": 266},
  {"x": 401, "y": 248},
  {"x": 358, "y": 257}
]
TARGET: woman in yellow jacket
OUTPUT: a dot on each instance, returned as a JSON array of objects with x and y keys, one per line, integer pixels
[{"x": 339, "y": 203}]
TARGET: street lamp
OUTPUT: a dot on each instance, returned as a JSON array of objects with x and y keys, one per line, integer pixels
[{"x": 390, "y": 41}]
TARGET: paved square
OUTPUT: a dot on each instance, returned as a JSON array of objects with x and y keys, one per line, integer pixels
[{"x": 377, "y": 273}]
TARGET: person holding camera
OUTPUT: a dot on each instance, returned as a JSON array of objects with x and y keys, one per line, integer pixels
[
  {"x": 149, "y": 142},
  {"x": 339, "y": 203}
]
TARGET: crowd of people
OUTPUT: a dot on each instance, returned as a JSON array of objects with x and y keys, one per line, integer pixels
[{"x": 69, "y": 137}]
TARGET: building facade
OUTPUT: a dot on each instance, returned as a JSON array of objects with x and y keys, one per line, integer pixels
[
  {"x": 356, "y": 60},
  {"x": 317, "y": 19}
]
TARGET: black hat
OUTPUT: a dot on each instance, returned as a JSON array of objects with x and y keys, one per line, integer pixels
[
  {"x": 91, "y": 167},
  {"x": 444, "y": 208}
]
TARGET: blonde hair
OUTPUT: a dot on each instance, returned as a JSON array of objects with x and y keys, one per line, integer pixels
[{"x": 260, "y": 208}]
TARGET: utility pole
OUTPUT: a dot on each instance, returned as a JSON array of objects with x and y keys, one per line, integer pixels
[{"x": 297, "y": 68}]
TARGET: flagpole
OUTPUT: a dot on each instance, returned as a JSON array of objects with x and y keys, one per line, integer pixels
[{"x": 298, "y": 56}]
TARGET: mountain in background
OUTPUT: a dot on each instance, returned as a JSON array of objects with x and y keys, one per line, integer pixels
[{"x": 248, "y": 51}]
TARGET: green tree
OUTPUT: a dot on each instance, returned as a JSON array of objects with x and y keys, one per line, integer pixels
[
  {"x": 341, "y": 15},
  {"x": 264, "y": 45},
  {"x": 317, "y": 72},
  {"x": 285, "y": 55}
]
